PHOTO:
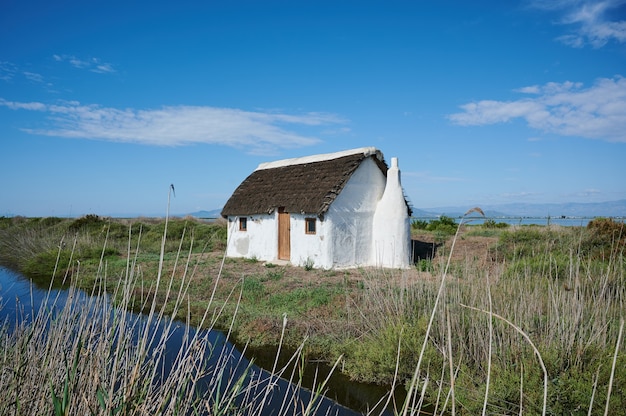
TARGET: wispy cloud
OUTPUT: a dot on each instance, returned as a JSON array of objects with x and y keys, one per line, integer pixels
[
  {"x": 7, "y": 71},
  {"x": 594, "y": 22},
  {"x": 22, "y": 106},
  {"x": 176, "y": 126},
  {"x": 33, "y": 76},
  {"x": 568, "y": 109},
  {"x": 91, "y": 64}
]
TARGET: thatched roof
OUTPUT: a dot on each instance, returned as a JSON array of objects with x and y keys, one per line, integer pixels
[{"x": 306, "y": 185}]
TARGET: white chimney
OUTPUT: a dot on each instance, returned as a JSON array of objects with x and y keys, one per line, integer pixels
[{"x": 392, "y": 229}]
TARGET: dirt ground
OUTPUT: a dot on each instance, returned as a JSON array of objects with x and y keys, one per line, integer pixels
[
  {"x": 262, "y": 327},
  {"x": 425, "y": 247}
]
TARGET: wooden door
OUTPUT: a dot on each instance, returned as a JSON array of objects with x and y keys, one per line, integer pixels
[{"x": 284, "y": 231}]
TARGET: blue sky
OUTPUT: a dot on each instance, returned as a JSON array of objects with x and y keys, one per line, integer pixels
[{"x": 104, "y": 104}]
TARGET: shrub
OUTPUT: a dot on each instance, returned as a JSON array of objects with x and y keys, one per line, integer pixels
[
  {"x": 90, "y": 222},
  {"x": 444, "y": 225},
  {"x": 50, "y": 221},
  {"x": 605, "y": 237},
  {"x": 491, "y": 223},
  {"x": 425, "y": 265},
  {"x": 43, "y": 264},
  {"x": 419, "y": 224}
]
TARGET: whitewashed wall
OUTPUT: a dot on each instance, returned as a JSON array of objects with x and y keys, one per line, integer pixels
[
  {"x": 259, "y": 241},
  {"x": 309, "y": 248},
  {"x": 367, "y": 225},
  {"x": 350, "y": 217},
  {"x": 392, "y": 229}
]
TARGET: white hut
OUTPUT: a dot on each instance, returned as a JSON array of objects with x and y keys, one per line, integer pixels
[{"x": 336, "y": 210}]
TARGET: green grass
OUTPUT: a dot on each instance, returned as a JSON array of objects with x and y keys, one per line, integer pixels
[{"x": 298, "y": 301}]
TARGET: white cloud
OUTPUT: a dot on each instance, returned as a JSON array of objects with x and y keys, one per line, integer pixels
[
  {"x": 533, "y": 89},
  {"x": 598, "y": 112},
  {"x": 594, "y": 22},
  {"x": 102, "y": 68},
  {"x": 32, "y": 76},
  {"x": 7, "y": 71},
  {"x": 176, "y": 126},
  {"x": 91, "y": 64},
  {"x": 22, "y": 106}
]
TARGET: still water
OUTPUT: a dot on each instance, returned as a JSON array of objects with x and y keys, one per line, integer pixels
[
  {"x": 562, "y": 221},
  {"x": 20, "y": 300}
]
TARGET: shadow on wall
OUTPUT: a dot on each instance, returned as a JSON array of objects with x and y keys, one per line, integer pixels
[{"x": 421, "y": 250}]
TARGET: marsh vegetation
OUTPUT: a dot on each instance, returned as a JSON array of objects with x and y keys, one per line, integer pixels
[{"x": 505, "y": 320}]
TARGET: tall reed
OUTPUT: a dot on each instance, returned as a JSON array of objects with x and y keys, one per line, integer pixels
[
  {"x": 491, "y": 341},
  {"x": 85, "y": 355}
]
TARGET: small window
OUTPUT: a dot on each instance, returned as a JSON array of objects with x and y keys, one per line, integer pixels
[
  {"x": 310, "y": 224},
  {"x": 243, "y": 224}
]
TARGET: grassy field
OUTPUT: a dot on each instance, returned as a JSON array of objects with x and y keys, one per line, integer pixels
[{"x": 498, "y": 320}]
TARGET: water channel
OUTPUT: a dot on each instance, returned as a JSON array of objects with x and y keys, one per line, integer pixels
[{"x": 20, "y": 298}]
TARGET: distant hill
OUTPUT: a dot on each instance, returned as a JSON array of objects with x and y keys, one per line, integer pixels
[{"x": 569, "y": 209}]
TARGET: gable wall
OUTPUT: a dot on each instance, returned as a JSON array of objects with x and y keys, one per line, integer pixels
[{"x": 350, "y": 217}]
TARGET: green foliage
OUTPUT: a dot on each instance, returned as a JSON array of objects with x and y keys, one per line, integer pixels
[
  {"x": 87, "y": 222},
  {"x": 309, "y": 264},
  {"x": 374, "y": 358},
  {"x": 43, "y": 264},
  {"x": 490, "y": 223},
  {"x": 419, "y": 224},
  {"x": 425, "y": 265},
  {"x": 444, "y": 225}
]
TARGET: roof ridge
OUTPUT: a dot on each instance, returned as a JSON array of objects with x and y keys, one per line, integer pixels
[{"x": 366, "y": 151}]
